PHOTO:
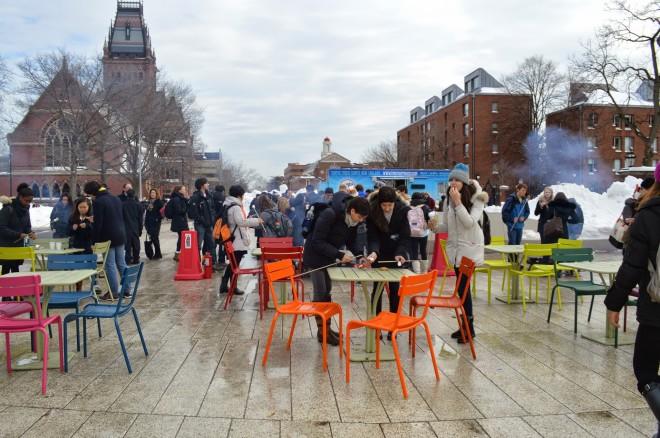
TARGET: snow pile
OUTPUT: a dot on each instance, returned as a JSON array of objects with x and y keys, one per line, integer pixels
[
  {"x": 40, "y": 216},
  {"x": 600, "y": 210}
]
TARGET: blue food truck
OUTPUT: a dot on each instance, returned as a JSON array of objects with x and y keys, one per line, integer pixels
[{"x": 434, "y": 182}]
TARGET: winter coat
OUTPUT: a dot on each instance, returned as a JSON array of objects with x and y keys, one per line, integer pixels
[
  {"x": 330, "y": 235},
  {"x": 630, "y": 208},
  {"x": 218, "y": 202},
  {"x": 465, "y": 237},
  {"x": 14, "y": 220},
  {"x": 642, "y": 247},
  {"x": 545, "y": 213},
  {"x": 239, "y": 223},
  {"x": 81, "y": 237},
  {"x": 179, "y": 208},
  {"x": 152, "y": 217},
  {"x": 200, "y": 209},
  {"x": 62, "y": 213},
  {"x": 566, "y": 211},
  {"x": 515, "y": 208},
  {"x": 575, "y": 226},
  {"x": 391, "y": 239},
  {"x": 133, "y": 217},
  {"x": 108, "y": 219}
]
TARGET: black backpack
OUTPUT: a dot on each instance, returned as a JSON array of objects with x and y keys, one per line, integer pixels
[
  {"x": 277, "y": 224},
  {"x": 484, "y": 223},
  {"x": 311, "y": 215},
  {"x": 168, "y": 210}
]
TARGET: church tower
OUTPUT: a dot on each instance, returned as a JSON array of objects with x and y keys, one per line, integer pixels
[{"x": 127, "y": 54}]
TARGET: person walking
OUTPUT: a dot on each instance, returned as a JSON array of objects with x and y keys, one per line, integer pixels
[
  {"x": 460, "y": 219},
  {"x": 334, "y": 231},
  {"x": 275, "y": 223},
  {"x": 576, "y": 225},
  {"x": 238, "y": 224},
  {"x": 515, "y": 212},
  {"x": 564, "y": 209},
  {"x": 108, "y": 225},
  {"x": 218, "y": 206},
  {"x": 176, "y": 210},
  {"x": 15, "y": 226},
  {"x": 640, "y": 258},
  {"x": 419, "y": 232},
  {"x": 152, "y": 221},
  {"x": 201, "y": 211},
  {"x": 124, "y": 191},
  {"x": 80, "y": 226},
  {"x": 59, "y": 216},
  {"x": 133, "y": 223},
  {"x": 544, "y": 211}
]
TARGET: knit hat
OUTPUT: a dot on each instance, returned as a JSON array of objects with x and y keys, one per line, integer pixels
[
  {"x": 461, "y": 173},
  {"x": 656, "y": 174}
]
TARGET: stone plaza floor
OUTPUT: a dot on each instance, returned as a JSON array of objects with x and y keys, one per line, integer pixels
[{"x": 203, "y": 376}]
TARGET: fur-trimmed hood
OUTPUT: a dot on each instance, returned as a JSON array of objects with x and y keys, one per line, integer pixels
[
  {"x": 479, "y": 193},
  {"x": 4, "y": 200}
]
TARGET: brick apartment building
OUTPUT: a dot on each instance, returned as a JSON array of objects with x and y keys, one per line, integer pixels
[
  {"x": 481, "y": 125},
  {"x": 610, "y": 142}
]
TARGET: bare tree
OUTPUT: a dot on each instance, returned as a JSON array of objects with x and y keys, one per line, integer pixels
[
  {"x": 383, "y": 154},
  {"x": 541, "y": 79},
  {"x": 4, "y": 91},
  {"x": 232, "y": 173},
  {"x": 624, "y": 56}
]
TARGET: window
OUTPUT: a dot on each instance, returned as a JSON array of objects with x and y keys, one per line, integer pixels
[
  {"x": 495, "y": 170},
  {"x": 616, "y": 121},
  {"x": 494, "y": 148},
  {"x": 428, "y": 127},
  {"x": 413, "y": 117},
  {"x": 422, "y": 128},
  {"x": 591, "y": 143},
  {"x": 493, "y": 107},
  {"x": 628, "y": 144},
  {"x": 466, "y": 129},
  {"x": 628, "y": 121},
  {"x": 654, "y": 146},
  {"x": 141, "y": 75},
  {"x": 616, "y": 144},
  {"x": 60, "y": 144},
  {"x": 616, "y": 165},
  {"x": 630, "y": 162},
  {"x": 591, "y": 163},
  {"x": 465, "y": 110},
  {"x": 466, "y": 150},
  {"x": 592, "y": 120},
  {"x": 128, "y": 31},
  {"x": 494, "y": 128}
]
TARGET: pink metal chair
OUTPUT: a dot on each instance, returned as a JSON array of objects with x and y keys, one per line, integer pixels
[{"x": 29, "y": 287}]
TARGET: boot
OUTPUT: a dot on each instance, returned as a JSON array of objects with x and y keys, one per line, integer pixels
[
  {"x": 416, "y": 267},
  {"x": 424, "y": 266},
  {"x": 176, "y": 257},
  {"x": 651, "y": 393},
  {"x": 471, "y": 327},
  {"x": 332, "y": 336}
]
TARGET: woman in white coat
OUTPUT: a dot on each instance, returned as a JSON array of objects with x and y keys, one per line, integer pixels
[{"x": 461, "y": 219}]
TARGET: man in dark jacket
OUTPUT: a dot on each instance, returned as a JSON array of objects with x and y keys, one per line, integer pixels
[
  {"x": 133, "y": 222},
  {"x": 514, "y": 214},
  {"x": 15, "y": 226},
  {"x": 218, "y": 201},
  {"x": 124, "y": 191},
  {"x": 202, "y": 212},
  {"x": 178, "y": 208},
  {"x": 333, "y": 231},
  {"x": 640, "y": 251},
  {"x": 108, "y": 223}
]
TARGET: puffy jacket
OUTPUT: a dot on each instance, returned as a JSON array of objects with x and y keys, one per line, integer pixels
[
  {"x": 14, "y": 220},
  {"x": 330, "y": 235},
  {"x": 200, "y": 209},
  {"x": 514, "y": 208},
  {"x": 108, "y": 219},
  {"x": 133, "y": 216},
  {"x": 62, "y": 213},
  {"x": 465, "y": 236},
  {"x": 239, "y": 223},
  {"x": 642, "y": 247},
  {"x": 179, "y": 208},
  {"x": 152, "y": 217}
]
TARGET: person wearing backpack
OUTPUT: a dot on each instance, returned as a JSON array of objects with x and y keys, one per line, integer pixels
[
  {"x": 461, "y": 216},
  {"x": 152, "y": 221},
  {"x": 218, "y": 205},
  {"x": 640, "y": 267},
  {"x": 418, "y": 218},
  {"x": 238, "y": 222},
  {"x": 202, "y": 212},
  {"x": 514, "y": 214},
  {"x": 275, "y": 223},
  {"x": 176, "y": 210},
  {"x": 576, "y": 224}
]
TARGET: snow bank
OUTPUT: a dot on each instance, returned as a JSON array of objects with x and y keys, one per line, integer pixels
[{"x": 600, "y": 209}]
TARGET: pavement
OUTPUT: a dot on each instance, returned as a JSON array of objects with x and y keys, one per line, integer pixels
[{"x": 203, "y": 376}]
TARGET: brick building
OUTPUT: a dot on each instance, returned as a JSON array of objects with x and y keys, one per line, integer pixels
[
  {"x": 609, "y": 139},
  {"x": 480, "y": 124}
]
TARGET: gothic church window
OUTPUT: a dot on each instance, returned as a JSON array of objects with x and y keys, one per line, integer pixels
[{"x": 61, "y": 145}]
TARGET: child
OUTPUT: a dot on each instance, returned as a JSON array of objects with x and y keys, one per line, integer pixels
[{"x": 80, "y": 226}]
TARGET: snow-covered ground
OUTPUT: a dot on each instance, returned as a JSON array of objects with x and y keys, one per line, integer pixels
[{"x": 600, "y": 210}]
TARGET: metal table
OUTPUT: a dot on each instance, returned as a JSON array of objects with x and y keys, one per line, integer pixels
[
  {"x": 603, "y": 269},
  {"x": 514, "y": 255},
  {"x": 49, "y": 280},
  {"x": 365, "y": 277}
]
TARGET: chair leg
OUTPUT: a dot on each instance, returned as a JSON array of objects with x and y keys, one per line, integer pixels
[
  {"x": 468, "y": 333},
  {"x": 395, "y": 348},
  {"x": 232, "y": 286},
  {"x": 352, "y": 291},
  {"x": 139, "y": 330},
  {"x": 377, "y": 349},
  {"x": 325, "y": 343},
  {"x": 293, "y": 328},
  {"x": 348, "y": 352},
  {"x": 84, "y": 336},
  {"x": 625, "y": 317},
  {"x": 77, "y": 331},
  {"x": 123, "y": 347},
  {"x": 591, "y": 307},
  {"x": 490, "y": 272},
  {"x": 270, "y": 338},
  {"x": 44, "y": 370},
  {"x": 59, "y": 335},
  {"x": 575, "y": 314},
  {"x": 429, "y": 340},
  {"x": 66, "y": 355},
  {"x": 461, "y": 326},
  {"x": 341, "y": 325},
  {"x": 8, "y": 352},
  {"x": 552, "y": 299}
]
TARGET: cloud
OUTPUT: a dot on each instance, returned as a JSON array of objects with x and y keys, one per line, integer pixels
[{"x": 275, "y": 78}]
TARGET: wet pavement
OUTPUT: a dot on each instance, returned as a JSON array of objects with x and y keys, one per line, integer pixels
[{"x": 204, "y": 376}]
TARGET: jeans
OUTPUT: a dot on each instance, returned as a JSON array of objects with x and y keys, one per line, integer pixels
[
  {"x": 114, "y": 263},
  {"x": 646, "y": 358},
  {"x": 205, "y": 240},
  {"x": 419, "y": 248},
  {"x": 322, "y": 286},
  {"x": 515, "y": 235}
]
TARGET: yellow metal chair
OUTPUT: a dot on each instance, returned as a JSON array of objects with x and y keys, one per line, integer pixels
[
  {"x": 101, "y": 250},
  {"x": 501, "y": 264},
  {"x": 535, "y": 251},
  {"x": 449, "y": 267},
  {"x": 19, "y": 253},
  {"x": 568, "y": 243}
]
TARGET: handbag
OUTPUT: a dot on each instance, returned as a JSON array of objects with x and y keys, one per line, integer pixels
[
  {"x": 554, "y": 228},
  {"x": 149, "y": 249},
  {"x": 618, "y": 231}
]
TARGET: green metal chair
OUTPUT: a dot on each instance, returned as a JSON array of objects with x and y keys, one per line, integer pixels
[{"x": 579, "y": 287}]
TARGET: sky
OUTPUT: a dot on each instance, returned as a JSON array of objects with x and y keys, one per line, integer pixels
[{"x": 275, "y": 77}]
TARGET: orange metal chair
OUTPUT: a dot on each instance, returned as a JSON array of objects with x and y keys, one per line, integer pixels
[
  {"x": 397, "y": 322},
  {"x": 454, "y": 301},
  {"x": 284, "y": 270},
  {"x": 237, "y": 271},
  {"x": 276, "y": 253},
  {"x": 276, "y": 242}
]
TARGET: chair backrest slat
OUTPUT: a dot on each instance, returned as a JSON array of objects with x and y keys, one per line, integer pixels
[
  {"x": 23, "y": 286},
  {"x": 130, "y": 283},
  {"x": 101, "y": 249},
  {"x": 19, "y": 253},
  {"x": 567, "y": 255},
  {"x": 277, "y": 271},
  {"x": 569, "y": 243},
  {"x": 417, "y": 285},
  {"x": 276, "y": 242},
  {"x": 271, "y": 253},
  {"x": 70, "y": 262},
  {"x": 498, "y": 240}
]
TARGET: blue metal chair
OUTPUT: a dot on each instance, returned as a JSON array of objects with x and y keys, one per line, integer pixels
[
  {"x": 72, "y": 299},
  {"x": 130, "y": 279}
]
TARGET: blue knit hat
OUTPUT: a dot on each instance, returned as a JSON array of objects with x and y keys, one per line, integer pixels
[{"x": 461, "y": 173}]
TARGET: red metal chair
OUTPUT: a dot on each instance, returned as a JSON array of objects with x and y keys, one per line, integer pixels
[
  {"x": 454, "y": 301},
  {"x": 284, "y": 271},
  {"x": 29, "y": 287},
  {"x": 397, "y": 322},
  {"x": 274, "y": 254},
  {"x": 237, "y": 271},
  {"x": 276, "y": 242}
]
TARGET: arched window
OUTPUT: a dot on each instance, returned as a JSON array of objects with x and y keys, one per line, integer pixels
[
  {"x": 62, "y": 145},
  {"x": 45, "y": 192},
  {"x": 35, "y": 190},
  {"x": 56, "y": 190},
  {"x": 78, "y": 191},
  {"x": 66, "y": 188}
]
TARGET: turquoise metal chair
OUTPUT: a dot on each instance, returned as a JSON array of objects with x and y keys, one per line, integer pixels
[{"x": 130, "y": 281}]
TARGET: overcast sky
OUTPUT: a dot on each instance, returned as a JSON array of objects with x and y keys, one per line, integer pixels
[{"x": 275, "y": 77}]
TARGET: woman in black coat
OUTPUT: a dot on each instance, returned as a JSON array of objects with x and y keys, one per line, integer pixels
[
  {"x": 15, "y": 226},
  {"x": 178, "y": 208},
  {"x": 152, "y": 220},
  {"x": 80, "y": 226},
  {"x": 544, "y": 211},
  {"x": 388, "y": 234},
  {"x": 564, "y": 209}
]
